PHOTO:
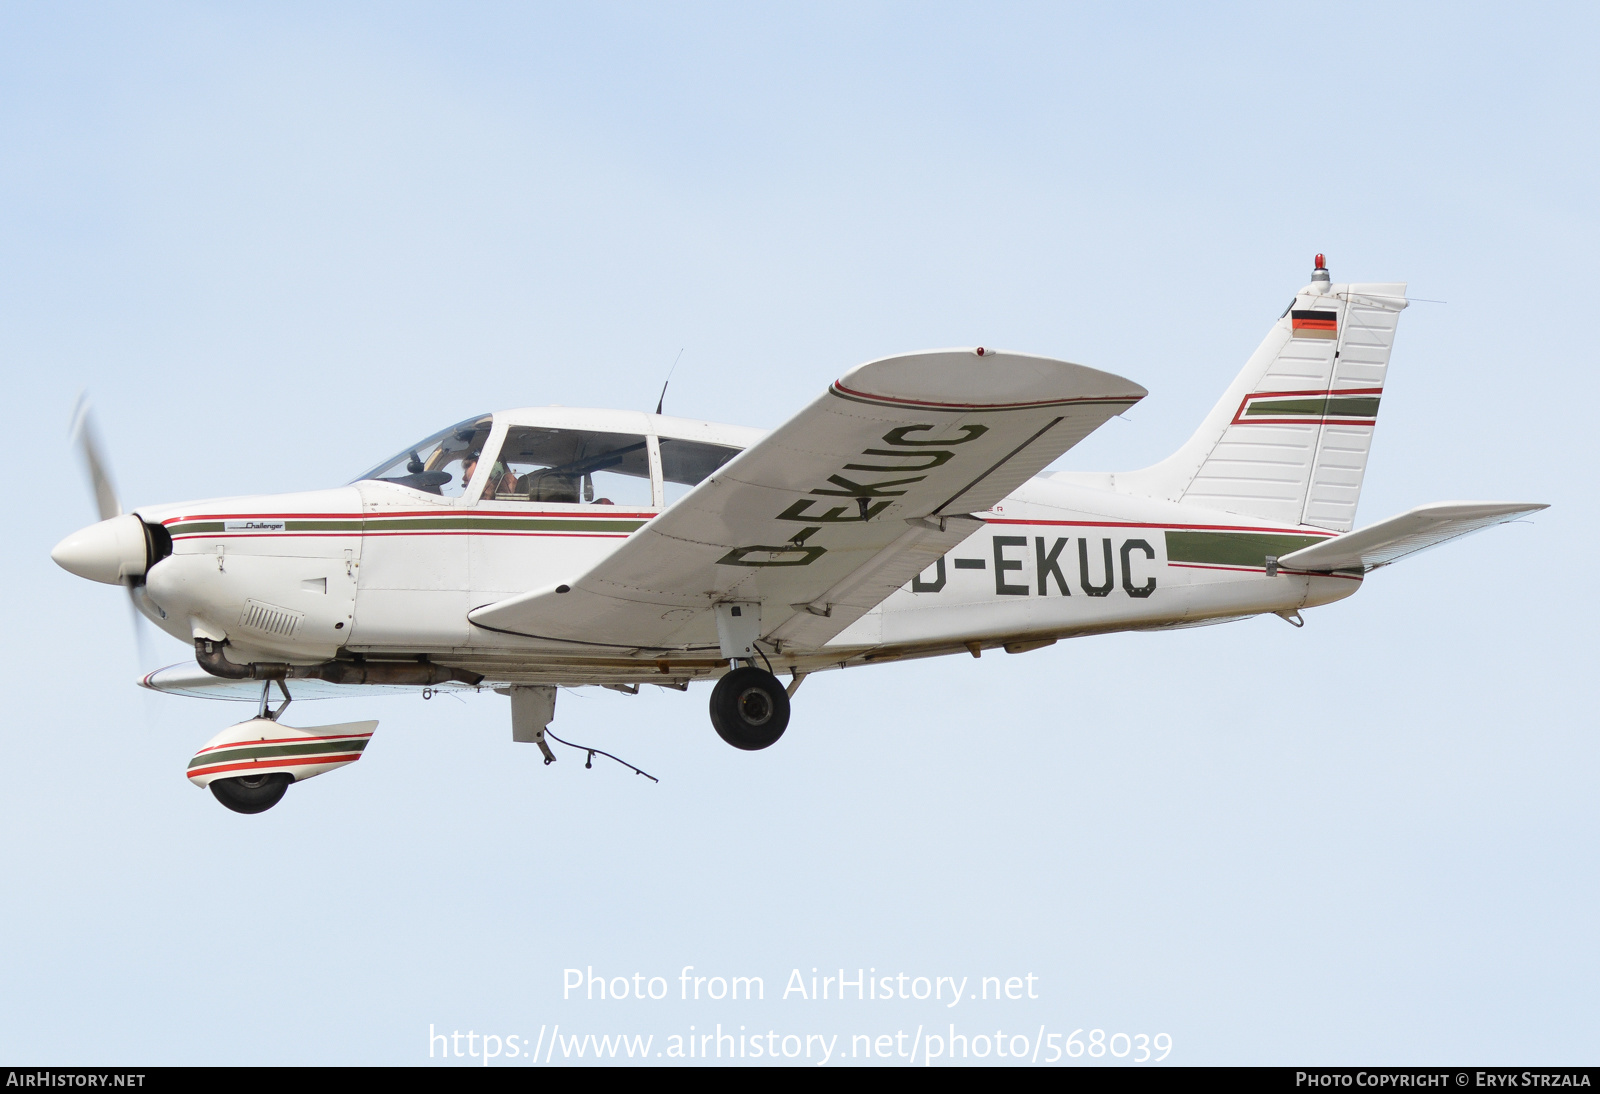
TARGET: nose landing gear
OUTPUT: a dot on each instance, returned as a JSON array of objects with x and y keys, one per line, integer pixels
[
  {"x": 251, "y": 793},
  {"x": 749, "y": 708},
  {"x": 248, "y": 767}
]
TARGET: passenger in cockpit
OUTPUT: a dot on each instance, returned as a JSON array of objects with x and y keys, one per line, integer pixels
[{"x": 559, "y": 488}]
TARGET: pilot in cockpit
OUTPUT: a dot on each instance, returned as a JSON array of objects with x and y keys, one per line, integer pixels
[{"x": 501, "y": 484}]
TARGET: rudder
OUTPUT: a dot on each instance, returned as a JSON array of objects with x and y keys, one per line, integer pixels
[{"x": 1289, "y": 440}]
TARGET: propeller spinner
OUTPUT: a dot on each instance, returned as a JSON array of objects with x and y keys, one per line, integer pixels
[{"x": 121, "y": 548}]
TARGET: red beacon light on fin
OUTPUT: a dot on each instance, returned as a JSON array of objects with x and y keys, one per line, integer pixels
[
  {"x": 1322, "y": 263},
  {"x": 1319, "y": 275}
]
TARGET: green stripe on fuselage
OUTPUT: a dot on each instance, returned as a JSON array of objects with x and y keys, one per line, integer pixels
[
  {"x": 323, "y": 526},
  {"x": 453, "y": 523},
  {"x": 500, "y": 524},
  {"x": 1234, "y": 548}
]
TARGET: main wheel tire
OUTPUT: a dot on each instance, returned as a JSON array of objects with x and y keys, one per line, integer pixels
[
  {"x": 251, "y": 793},
  {"x": 749, "y": 709}
]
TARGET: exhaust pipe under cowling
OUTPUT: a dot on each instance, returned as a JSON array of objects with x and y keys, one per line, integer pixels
[{"x": 208, "y": 654}]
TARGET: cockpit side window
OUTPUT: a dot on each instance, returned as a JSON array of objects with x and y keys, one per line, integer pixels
[
  {"x": 571, "y": 466},
  {"x": 685, "y": 464},
  {"x": 442, "y": 464}
]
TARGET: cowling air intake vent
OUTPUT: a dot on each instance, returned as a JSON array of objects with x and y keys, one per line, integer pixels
[{"x": 270, "y": 619}]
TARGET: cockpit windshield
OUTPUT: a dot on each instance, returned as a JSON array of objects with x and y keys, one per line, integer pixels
[
  {"x": 442, "y": 464},
  {"x": 552, "y": 464}
]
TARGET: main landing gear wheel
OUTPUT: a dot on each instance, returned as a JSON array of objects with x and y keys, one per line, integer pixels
[
  {"x": 749, "y": 708},
  {"x": 251, "y": 793}
]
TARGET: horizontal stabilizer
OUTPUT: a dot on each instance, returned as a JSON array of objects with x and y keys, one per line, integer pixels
[{"x": 1412, "y": 531}]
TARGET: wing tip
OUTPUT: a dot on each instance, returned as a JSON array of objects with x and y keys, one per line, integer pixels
[{"x": 977, "y": 378}]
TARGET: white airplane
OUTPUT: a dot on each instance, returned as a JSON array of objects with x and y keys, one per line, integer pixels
[{"x": 897, "y": 516}]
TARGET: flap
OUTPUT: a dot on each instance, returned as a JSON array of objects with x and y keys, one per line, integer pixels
[
  {"x": 834, "y": 510},
  {"x": 1412, "y": 531}
]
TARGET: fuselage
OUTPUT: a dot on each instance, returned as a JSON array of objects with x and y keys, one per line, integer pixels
[{"x": 388, "y": 570}]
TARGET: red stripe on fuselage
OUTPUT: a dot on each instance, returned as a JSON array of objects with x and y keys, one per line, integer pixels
[
  {"x": 587, "y": 514},
  {"x": 346, "y": 535}
]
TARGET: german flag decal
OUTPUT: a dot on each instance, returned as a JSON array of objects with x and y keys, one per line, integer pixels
[
  {"x": 1352, "y": 406},
  {"x": 1314, "y": 323}
]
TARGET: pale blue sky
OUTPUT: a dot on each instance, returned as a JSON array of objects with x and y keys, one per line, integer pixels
[{"x": 278, "y": 242}]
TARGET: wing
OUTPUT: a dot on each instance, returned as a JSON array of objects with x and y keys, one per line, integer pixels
[
  {"x": 188, "y": 678},
  {"x": 1412, "y": 531},
  {"x": 829, "y": 514}
]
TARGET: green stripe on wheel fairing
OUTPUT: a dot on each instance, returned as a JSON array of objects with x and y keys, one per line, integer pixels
[
  {"x": 1234, "y": 548},
  {"x": 264, "y": 752}
]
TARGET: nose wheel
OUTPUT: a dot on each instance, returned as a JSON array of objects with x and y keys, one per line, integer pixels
[
  {"x": 749, "y": 708},
  {"x": 251, "y": 793}
]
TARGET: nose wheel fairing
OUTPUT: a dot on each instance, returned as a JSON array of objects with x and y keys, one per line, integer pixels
[{"x": 248, "y": 753}]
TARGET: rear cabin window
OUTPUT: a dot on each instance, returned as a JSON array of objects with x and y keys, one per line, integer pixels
[
  {"x": 568, "y": 466},
  {"x": 685, "y": 464}
]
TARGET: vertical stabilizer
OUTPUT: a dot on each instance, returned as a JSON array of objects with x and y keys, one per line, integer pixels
[{"x": 1289, "y": 440}]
